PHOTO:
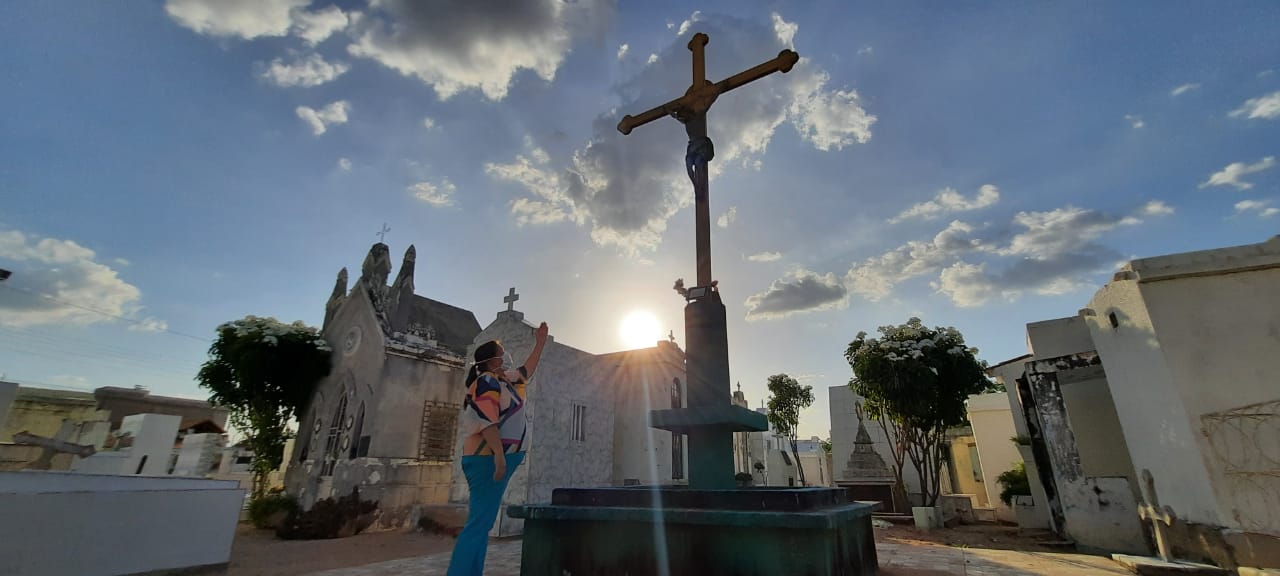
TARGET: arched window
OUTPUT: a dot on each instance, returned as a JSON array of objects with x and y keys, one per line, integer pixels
[
  {"x": 677, "y": 440},
  {"x": 356, "y": 443},
  {"x": 332, "y": 444}
]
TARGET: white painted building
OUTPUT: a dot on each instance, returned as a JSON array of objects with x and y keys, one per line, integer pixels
[{"x": 1190, "y": 343}]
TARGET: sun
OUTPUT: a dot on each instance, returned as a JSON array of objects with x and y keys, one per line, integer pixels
[{"x": 640, "y": 330}]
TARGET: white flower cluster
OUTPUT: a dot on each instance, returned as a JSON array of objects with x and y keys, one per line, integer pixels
[
  {"x": 271, "y": 330},
  {"x": 910, "y": 341}
]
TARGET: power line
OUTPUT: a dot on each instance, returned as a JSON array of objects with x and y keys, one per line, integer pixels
[{"x": 104, "y": 313}]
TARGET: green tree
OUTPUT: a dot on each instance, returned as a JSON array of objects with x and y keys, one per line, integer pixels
[
  {"x": 788, "y": 398},
  {"x": 917, "y": 380},
  {"x": 263, "y": 372}
]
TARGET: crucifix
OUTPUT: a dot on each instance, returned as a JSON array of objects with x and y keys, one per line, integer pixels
[
  {"x": 691, "y": 110},
  {"x": 510, "y": 299},
  {"x": 708, "y": 418},
  {"x": 1160, "y": 517},
  {"x": 382, "y": 234}
]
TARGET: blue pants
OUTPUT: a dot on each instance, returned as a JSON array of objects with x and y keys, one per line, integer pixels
[{"x": 486, "y": 499}]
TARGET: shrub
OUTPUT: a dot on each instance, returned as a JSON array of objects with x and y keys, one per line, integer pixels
[
  {"x": 330, "y": 518},
  {"x": 271, "y": 511},
  {"x": 743, "y": 478},
  {"x": 1014, "y": 483}
]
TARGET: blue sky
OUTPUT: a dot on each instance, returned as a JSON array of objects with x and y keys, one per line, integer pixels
[{"x": 167, "y": 166}]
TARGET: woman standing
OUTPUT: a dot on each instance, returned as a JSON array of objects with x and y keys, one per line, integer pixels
[{"x": 495, "y": 448}]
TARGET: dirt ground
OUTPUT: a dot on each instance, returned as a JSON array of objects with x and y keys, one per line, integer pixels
[
  {"x": 260, "y": 553},
  {"x": 987, "y": 536}
]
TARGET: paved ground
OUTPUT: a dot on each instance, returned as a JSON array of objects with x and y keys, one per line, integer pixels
[{"x": 897, "y": 558}]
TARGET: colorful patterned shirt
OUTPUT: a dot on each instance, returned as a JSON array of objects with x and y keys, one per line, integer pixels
[{"x": 494, "y": 399}]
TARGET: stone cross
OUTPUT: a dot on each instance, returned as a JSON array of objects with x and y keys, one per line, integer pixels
[
  {"x": 1160, "y": 517},
  {"x": 691, "y": 110},
  {"x": 382, "y": 234},
  {"x": 510, "y": 299}
]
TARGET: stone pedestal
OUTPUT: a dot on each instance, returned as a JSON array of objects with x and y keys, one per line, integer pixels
[{"x": 674, "y": 530}]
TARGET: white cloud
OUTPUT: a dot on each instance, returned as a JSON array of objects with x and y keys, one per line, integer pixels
[
  {"x": 728, "y": 217},
  {"x": 865, "y": 51},
  {"x": 308, "y": 71},
  {"x": 799, "y": 291},
  {"x": 877, "y": 276},
  {"x": 1265, "y": 73},
  {"x": 247, "y": 19},
  {"x": 121, "y": 262},
  {"x": 1156, "y": 208},
  {"x": 785, "y": 31},
  {"x": 344, "y": 164},
  {"x": 316, "y": 27},
  {"x": 625, "y": 188},
  {"x": 456, "y": 46},
  {"x": 438, "y": 196},
  {"x": 827, "y": 119},
  {"x": 949, "y": 201},
  {"x": 149, "y": 324},
  {"x": 1183, "y": 89},
  {"x": 60, "y": 282},
  {"x": 69, "y": 380},
  {"x": 1262, "y": 207},
  {"x": 688, "y": 23},
  {"x": 622, "y": 51},
  {"x": 1265, "y": 107},
  {"x": 1230, "y": 176},
  {"x": 765, "y": 257},
  {"x": 966, "y": 284},
  {"x": 1055, "y": 252},
  {"x": 1135, "y": 121},
  {"x": 428, "y": 123},
  {"x": 652, "y": 58},
  {"x": 320, "y": 120}
]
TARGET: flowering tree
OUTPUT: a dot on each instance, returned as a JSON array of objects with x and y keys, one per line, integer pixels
[
  {"x": 264, "y": 371},
  {"x": 916, "y": 380}
]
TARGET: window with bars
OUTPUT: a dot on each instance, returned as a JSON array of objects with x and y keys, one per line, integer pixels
[
  {"x": 579, "y": 423},
  {"x": 439, "y": 428}
]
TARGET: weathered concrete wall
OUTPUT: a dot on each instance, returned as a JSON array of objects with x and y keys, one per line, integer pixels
[
  {"x": 41, "y": 412},
  {"x": 1221, "y": 335},
  {"x": 1161, "y": 436},
  {"x": 993, "y": 428},
  {"x": 8, "y": 390},
  {"x": 1058, "y": 337},
  {"x": 1099, "y": 438},
  {"x": 1100, "y": 513}
]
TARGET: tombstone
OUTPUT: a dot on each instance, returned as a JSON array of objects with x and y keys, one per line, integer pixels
[
  {"x": 199, "y": 454},
  {"x": 866, "y": 476},
  {"x": 144, "y": 446}
]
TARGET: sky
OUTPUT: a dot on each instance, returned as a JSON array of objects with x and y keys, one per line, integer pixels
[{"x": 169, "y": 166}]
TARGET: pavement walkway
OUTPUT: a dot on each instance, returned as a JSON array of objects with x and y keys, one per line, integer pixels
[{"x": 896, "y": 559}]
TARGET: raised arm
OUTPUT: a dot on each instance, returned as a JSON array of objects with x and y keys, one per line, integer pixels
[{"x": 539, "y": 340}]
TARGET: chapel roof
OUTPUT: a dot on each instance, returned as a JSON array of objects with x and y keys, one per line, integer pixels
[{"x": 454, "y": 327}]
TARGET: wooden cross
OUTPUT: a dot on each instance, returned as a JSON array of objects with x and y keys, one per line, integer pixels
[
  {"x": 510, "y": 299},
  {"x": 691, "y": 110},
  {"x": 1159, "y": 516},
  {"x": 382, "y": 234}
]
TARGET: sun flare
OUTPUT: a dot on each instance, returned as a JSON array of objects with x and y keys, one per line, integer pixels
[{"x": 640, "y": 330}]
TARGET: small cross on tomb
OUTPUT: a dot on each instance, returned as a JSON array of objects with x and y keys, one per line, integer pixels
[
  {"x": 382, "y": 234},
  {"x": 510, "y": 299}
]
